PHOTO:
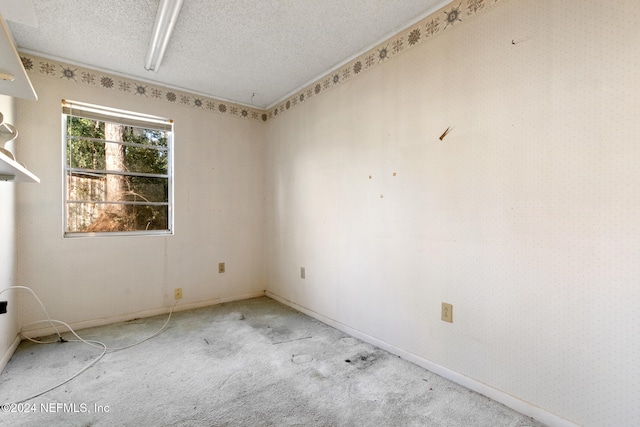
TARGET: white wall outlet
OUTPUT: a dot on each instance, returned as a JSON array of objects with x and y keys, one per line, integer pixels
[{"x": 447, "y": 312}]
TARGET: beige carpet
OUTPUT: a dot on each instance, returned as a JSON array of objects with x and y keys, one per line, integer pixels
[{"x": 247, "y": 363}]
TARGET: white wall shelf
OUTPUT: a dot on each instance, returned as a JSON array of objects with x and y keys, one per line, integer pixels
[{"x": 10, "y": 170}]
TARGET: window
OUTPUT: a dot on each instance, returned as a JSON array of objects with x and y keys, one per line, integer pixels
[{"x": 118, "y": 176}]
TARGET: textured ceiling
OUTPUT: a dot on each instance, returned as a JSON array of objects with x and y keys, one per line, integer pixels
[{"x": 227, "y": 49}]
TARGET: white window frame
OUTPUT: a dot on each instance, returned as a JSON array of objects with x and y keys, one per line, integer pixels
[{"x": 129, "y": 118}]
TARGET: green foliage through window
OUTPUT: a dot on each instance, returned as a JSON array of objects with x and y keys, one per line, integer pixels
[{"x": 117, "y": 173}]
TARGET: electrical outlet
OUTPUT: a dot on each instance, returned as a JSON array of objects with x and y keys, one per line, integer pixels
[
  {"x": 302, "y": 273},
  {"x": 3, "y": 307},
  {"x": 221, "y": 267},
  {"x": 177, "y": 293},
  {"x": 447, "y": 312}
]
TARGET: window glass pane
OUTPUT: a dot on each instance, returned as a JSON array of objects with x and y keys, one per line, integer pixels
[
  {"x": 146, "y": 189},
  {"x": 99, "y": 217},
  {"x": 142, "y": 150},
  {"x": 103, "y": 187},
  {"x": 86, "y": 154},
  {"x": 145, "y": 160},
  {"x": 118, "y": 174},
  {"x": 90, "y": 154}
]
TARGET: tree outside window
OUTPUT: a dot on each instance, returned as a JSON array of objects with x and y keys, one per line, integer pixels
[{"x": 118, "y": 172}]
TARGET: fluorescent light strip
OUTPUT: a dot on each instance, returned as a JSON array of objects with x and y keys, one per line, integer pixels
[{"x": 166, "y": 18}]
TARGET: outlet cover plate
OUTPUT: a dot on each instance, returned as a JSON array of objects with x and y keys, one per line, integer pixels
[{"x": 447, "y": 312}]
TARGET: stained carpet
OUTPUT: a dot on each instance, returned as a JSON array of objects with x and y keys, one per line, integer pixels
[{"x": 248, "y": 363}]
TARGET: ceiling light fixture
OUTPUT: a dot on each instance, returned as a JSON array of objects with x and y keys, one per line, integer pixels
[{"x": 166, "y": 18}]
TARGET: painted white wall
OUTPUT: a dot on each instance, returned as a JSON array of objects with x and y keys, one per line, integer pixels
[
  {"x": 8, "y": 321},
  {"x": 218, "y": 217},
  {"x": 526, "y": 217}
]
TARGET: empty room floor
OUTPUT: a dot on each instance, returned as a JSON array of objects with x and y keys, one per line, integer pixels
[{"x": 247, "y": 363}]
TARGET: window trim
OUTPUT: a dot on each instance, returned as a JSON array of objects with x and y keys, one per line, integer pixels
[{"x": 127, "y": 118}]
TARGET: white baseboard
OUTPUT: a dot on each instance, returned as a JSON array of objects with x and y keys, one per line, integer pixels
[
  {"x": 512, "y": 402},
  {"x": 48, "y": 330},
  {"x": 7, "y": 354}
]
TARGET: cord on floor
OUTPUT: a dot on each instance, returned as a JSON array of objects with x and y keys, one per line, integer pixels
[{"x": 92, "y": 343}]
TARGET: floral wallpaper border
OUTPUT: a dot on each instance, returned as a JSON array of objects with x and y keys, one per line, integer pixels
[
  {"x": 59, "y": 70},
  {"x": 433, "y": 25}
]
